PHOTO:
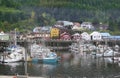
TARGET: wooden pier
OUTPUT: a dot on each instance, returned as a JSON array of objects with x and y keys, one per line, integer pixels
[
  {"x": 3, "y": 76},
  {"x": 56, "y": 44}
]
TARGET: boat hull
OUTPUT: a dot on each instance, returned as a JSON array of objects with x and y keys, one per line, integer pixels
[
  {"x": 10, "y": 60},
  {"x": 48, "y": 60}
]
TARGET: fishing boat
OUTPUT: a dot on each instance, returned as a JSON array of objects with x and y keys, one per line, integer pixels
[
  {"x": 51, "y": 57},
  {"x": 43, "y": 53}
]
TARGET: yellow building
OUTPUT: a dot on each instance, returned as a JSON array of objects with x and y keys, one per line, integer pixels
[{"x": 54, "y": 33}]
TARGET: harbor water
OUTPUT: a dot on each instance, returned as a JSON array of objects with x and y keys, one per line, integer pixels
[{"x": 70, "y": 66}]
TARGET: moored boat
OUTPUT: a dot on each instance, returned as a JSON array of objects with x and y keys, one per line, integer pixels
[
  {"x": 12, "y": 55},
  {"x": 50, "y": 58},
  {"x": 43, "y": 54}
]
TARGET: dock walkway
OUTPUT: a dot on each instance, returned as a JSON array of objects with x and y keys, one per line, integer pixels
[{"x": 3, "y": 76}]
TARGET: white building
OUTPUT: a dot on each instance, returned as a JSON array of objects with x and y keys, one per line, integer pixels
[
  {"x": 76, "y": 36},
  {"x": 75, "y": 27},
  {"x": 4, "y": 36},
  {"x": 85, "y": 36},
  {"x": 105, "y": 35},
  {"x": 87, "y": 25},
  {"x": 65, "y": 23},
  {"x": 96, "y": 35}
]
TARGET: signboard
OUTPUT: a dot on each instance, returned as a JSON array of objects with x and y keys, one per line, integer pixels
[{"x": 54, "y": 33}]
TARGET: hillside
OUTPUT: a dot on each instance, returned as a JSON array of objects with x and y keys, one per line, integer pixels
[{"x": 26, "y": 14}]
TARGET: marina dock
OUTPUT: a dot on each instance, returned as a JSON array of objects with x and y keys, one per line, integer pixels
[
  {"x": 57, "y": 44},
  {"x": 2, "y": 76}
]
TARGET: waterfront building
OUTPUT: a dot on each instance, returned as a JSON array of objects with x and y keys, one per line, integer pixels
[
  {"x": 85, "y": 36},
  {"x": 76, "y": 36},
  {"x": 105, "y": 35},
  {"x": 96, "y": 35},
  {"x": 4, "y": 36}
]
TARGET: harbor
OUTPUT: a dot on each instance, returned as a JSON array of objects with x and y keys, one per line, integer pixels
[
  {"x": 60, "y": 55},
  {"x": 80, "y": 59},
  {"x": 83, "y": 61}
]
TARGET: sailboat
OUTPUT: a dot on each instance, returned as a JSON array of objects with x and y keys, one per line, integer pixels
[{"x": 13, "y": 53}]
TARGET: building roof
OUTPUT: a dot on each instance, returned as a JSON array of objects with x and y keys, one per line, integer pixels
[
  {"x": 76, "y": 34},
  {"x": 86, "y": 23},
  {"x": 65, "y": 23},
  {"x": 105, "y": 34},
  {"x": 114, "y": 37},
  {"x": 94, "y": 33}
]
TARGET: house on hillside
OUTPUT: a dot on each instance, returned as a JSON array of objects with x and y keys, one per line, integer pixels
[
  {"x": 103, "y": 26},
  {"x": 87, "y": 25},
  {"x": 37, "y": 29},
  {"x": 64, "y": 24},
  {"x": 44, "y": 29},
  {"x": 96, "y": 35},
  {"x": 75, "y": 27},
  {"x": 85, "y": 36}
]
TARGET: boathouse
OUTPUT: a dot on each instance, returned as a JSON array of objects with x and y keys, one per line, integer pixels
[
  {"x": 96, "y": 35},
  {"x": 85, "y": 36},
  {"x": 105, "y": 35}
]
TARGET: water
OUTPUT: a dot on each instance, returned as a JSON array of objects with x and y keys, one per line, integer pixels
[{"x": 70, "y": 66}]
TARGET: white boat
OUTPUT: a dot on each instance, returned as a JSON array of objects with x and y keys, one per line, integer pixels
[
  {"x": 96, "y": 54},
  {"x": 81, "y": 47},
  {"x": 109, "y": 53},
  {"x": 112, "y": 59},
  {"x": 13, "y": 55}
]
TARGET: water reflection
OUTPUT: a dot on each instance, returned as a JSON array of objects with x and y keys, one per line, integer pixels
[
  {"x": 71, "y": 65},
  {"x": 12, "y": 68}
]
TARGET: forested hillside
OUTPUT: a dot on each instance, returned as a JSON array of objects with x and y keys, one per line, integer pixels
[{"x": 26, "y": 14}]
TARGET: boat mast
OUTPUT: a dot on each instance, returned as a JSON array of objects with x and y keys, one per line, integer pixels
[{"x": 15, "y": 38}]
